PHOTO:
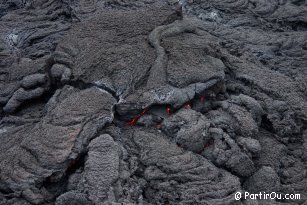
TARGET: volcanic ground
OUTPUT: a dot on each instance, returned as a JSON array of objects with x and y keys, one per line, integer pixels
[{"x": 110, "y": 102}]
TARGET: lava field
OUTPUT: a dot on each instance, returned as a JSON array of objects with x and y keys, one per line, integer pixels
[{"x": 167, "y": 102}]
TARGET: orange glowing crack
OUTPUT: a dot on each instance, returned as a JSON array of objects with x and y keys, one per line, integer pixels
[
  {"x": 134, "y": 120},
  {"x": 168, "y": 110}
]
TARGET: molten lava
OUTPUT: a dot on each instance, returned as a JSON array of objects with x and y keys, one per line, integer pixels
[
  {"x": 144, "y": 111},
  {"x": 188, "y": 105},
  {"x": 134, "y": 120},
  {"x": 168, "y": 110},
  {"x": 202, "y": 99}
]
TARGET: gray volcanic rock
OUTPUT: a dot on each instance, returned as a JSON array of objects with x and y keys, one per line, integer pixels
[
  {"x": 272, "y": 150},
  {"x": 47, "y": 148},
  {"x": 60, "y": 72},
  {"x": 188, "y": 128},
  {"x": 265, "y": 179},
  {"x": 22, "y": 81},
  {"x": 101, "y": 168},
  {"x": 252, "y": 105},
  {"x": 32, "y": 80},
  {"x": 188, "y": 177},
  {"x": 234, "y": 118},
  {"x": 152, "y": 101},
  {"x": 101, "y": 171},
  {"x": 114, "y": 45},
  {"x": 251, "y": 145},
  {"x": 20, "y": 96},
  {"x": 222, "y": 150},
  {"x": 71, "y": 198},
  {"x": 188, "y": 63}
]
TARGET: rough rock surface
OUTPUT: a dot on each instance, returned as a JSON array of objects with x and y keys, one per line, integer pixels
[{"x": 152, "y": 101}]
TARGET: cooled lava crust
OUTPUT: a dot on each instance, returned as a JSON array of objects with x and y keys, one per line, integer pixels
[{"x": 152, "y": 101}]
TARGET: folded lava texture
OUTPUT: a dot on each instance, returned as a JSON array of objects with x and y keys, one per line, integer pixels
[{"x": 152, "y": 101}]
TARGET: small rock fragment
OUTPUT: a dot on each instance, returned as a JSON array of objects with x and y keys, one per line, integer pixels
[
  {"x": 249, "y": 144},
  {"x": 60, "y": 72},
  {"x": 34, "y": 80},
  {"x": 20, "y": 96}
]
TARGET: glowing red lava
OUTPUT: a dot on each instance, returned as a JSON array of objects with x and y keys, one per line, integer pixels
[
  {"x": 144, "y": 111},
  {"x": 134, "y": 120},
  {"x": 188, "y": 105},
  {"x": 168, "y": 109},
  {"x": 202, "y": 99}
]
